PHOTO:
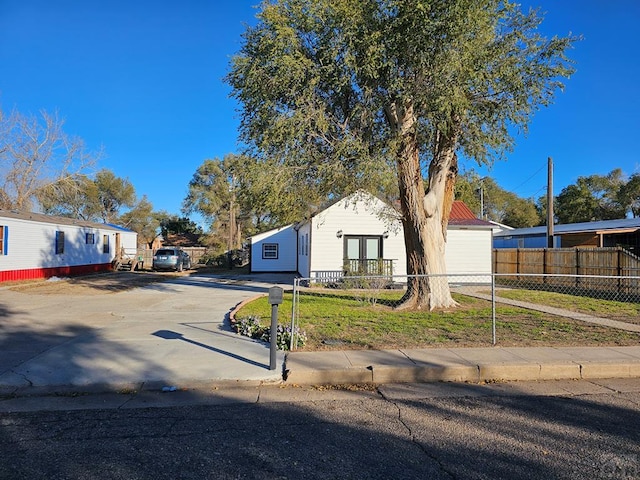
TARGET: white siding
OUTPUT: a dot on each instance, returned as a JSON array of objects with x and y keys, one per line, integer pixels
[
  {"x": 31, "y": 245},
  {"x": 315, "y": 246},
  {"x": 285, "y": 239},
  {"x": 305, "y": 240},
  {"x": 469, "y": 251},
  {"x": 364, "y": 216}
]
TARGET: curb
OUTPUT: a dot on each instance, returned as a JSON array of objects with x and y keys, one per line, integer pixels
[{"x": 382, "y": 374}]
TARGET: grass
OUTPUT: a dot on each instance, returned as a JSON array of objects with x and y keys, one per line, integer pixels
[
  {"x": 625, "y": 311},
  {"x": 364, "y": 319}
]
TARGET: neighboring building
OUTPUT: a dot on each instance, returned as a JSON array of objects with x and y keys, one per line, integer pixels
[
  {"x": 607, "y": 233},
  {"x": 36, "y": 246},
  {"x": 363, "y": 235}
]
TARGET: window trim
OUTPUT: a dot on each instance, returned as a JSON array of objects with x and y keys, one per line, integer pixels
[
  {"x": 59, "y": 245},
  {"x": 4, "y": 234},
  {"x": 270, "y": 251}
]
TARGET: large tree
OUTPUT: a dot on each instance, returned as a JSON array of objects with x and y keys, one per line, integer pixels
[
  {"x": 591, "y": 198},
  {"x": 143, "y": 220},
  {"x": 99, "y": 198},
  {"x": 346, "y": 92},
  {"x": 629, "y": 195},
  {"x": 36, "y": 155}
]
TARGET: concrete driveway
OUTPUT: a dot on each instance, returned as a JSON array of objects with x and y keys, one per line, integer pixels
[{"x": 171, "y": 333}]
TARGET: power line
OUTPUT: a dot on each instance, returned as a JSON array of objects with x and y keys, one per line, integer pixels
[{"x": 537, "y": 172}]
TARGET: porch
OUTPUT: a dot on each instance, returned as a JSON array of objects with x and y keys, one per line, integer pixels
[{"x": 361, "y": 267}]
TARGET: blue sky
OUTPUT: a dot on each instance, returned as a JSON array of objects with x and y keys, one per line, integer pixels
[{"x": 144, "y": 79}]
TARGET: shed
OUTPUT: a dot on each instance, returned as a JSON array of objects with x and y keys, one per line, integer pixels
[
  {"x": 361, "y": 234},
  {"x": 34, "y": 245}
]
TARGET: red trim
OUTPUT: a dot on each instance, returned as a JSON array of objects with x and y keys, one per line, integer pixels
[{"x": 66, "y": 271}]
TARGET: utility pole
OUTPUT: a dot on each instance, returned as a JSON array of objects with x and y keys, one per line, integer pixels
[{"x": 549, "y": 202}]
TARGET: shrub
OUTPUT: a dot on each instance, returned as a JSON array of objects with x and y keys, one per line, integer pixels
[{"x": 250, "y": 327}]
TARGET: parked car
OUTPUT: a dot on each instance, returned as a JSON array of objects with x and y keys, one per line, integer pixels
[{"x": 171, "y": 258}]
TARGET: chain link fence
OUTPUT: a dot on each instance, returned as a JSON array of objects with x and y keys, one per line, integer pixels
[{"x": 490, "y": 309}]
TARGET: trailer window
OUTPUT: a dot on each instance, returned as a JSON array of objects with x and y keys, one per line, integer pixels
[
  {"x": 59, "y": 242},
  {"x": 90, "y": 239},
  {"x": 105, "y": 244},
  {"x": 3, "y": 239}
]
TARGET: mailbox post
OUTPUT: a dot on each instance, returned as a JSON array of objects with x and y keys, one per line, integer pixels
[{"x": 275, "y": 299}]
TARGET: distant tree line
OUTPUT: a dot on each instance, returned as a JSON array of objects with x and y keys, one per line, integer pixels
[
  {"x": 42, "y": 168},
  {"x": 591, "y": 198}
]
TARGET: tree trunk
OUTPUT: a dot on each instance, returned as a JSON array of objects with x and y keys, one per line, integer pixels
[{"x": 424, "y": 216}]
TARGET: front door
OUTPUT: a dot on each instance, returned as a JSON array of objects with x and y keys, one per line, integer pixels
[{"x": 362, "y": 252}]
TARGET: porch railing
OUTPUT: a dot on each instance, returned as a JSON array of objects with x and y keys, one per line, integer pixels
[{"x": 366, "y": 266}]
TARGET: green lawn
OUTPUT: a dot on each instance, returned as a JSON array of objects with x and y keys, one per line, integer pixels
[
  {"x": 365, "y": 319},
  {"x": 624, "y": 311}
]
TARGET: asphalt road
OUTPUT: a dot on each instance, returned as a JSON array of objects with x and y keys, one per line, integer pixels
[{"x": 427, "y": 431}]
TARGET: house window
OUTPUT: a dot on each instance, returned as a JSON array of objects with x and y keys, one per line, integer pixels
[
  {"x": 105, "y": 244},
  {"x": 4, "y": 230},
  {"x": 59, "y": 242},
  {"x": 306, "y": 244},
  {"x": 90, "y": 238},
  {"x": 270, "y": 251}
]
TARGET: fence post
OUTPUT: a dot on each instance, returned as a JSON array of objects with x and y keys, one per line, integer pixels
[
  {"x": 619, "y": 271},
  {"x": 294, "y": 301},
  {"x": 493, "y": 308}
]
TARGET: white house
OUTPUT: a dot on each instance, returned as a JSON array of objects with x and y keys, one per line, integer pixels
[
  {"x": 35, "y": 246},
  {"x": 363, "y": 234}
]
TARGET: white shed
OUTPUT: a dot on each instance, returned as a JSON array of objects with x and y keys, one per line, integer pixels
[
  {"x": 36, "y": 246},
  {"x": 363, "y": 234}
]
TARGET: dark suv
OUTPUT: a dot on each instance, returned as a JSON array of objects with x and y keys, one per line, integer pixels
[{"x": 171, "y": 258}]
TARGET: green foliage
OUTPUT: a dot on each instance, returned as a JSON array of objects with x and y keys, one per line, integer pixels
[
  {"x": 71, "y": 198},
  {"x": 316, "y": 79},
  {"x": 499, "y": 204},
  {"x": 174, "y": 224},
  {"x": 100, "y": 198},
  {"x": 629, "y": 195},
  {"x": 142, "y": 220},
  {"x": 592, "y": 198},
  {"x": 250, "y": 326},
  {"x": 111, "y": 194},
  {"x": 348, "y": 320}
]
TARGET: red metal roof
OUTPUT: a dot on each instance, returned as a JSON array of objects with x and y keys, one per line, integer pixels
[
  {"x": 460, "y": 211},
  {"x": 462, "y": 215}
]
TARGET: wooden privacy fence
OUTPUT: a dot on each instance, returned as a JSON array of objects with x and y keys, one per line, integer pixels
[
  {"x": 603, "y": 272},
  {"x": 610, "y": 261},
  {"x": 196, "y": 253}
]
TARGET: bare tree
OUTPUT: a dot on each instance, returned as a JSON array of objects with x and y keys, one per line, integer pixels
[{"x": 36, "y": 154}]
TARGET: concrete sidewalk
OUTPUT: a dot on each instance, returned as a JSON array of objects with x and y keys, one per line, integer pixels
[{"x": 176, "y": 334}]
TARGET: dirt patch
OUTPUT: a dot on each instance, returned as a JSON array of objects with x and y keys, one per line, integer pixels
[{"x": 99, "y": 284}]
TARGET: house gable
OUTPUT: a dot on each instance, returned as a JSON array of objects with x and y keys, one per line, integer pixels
[{"x": 274, "y": 250}]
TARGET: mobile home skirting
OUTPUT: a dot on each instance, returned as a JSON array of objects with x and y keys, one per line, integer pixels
[{"x": 64, "y": 271}]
